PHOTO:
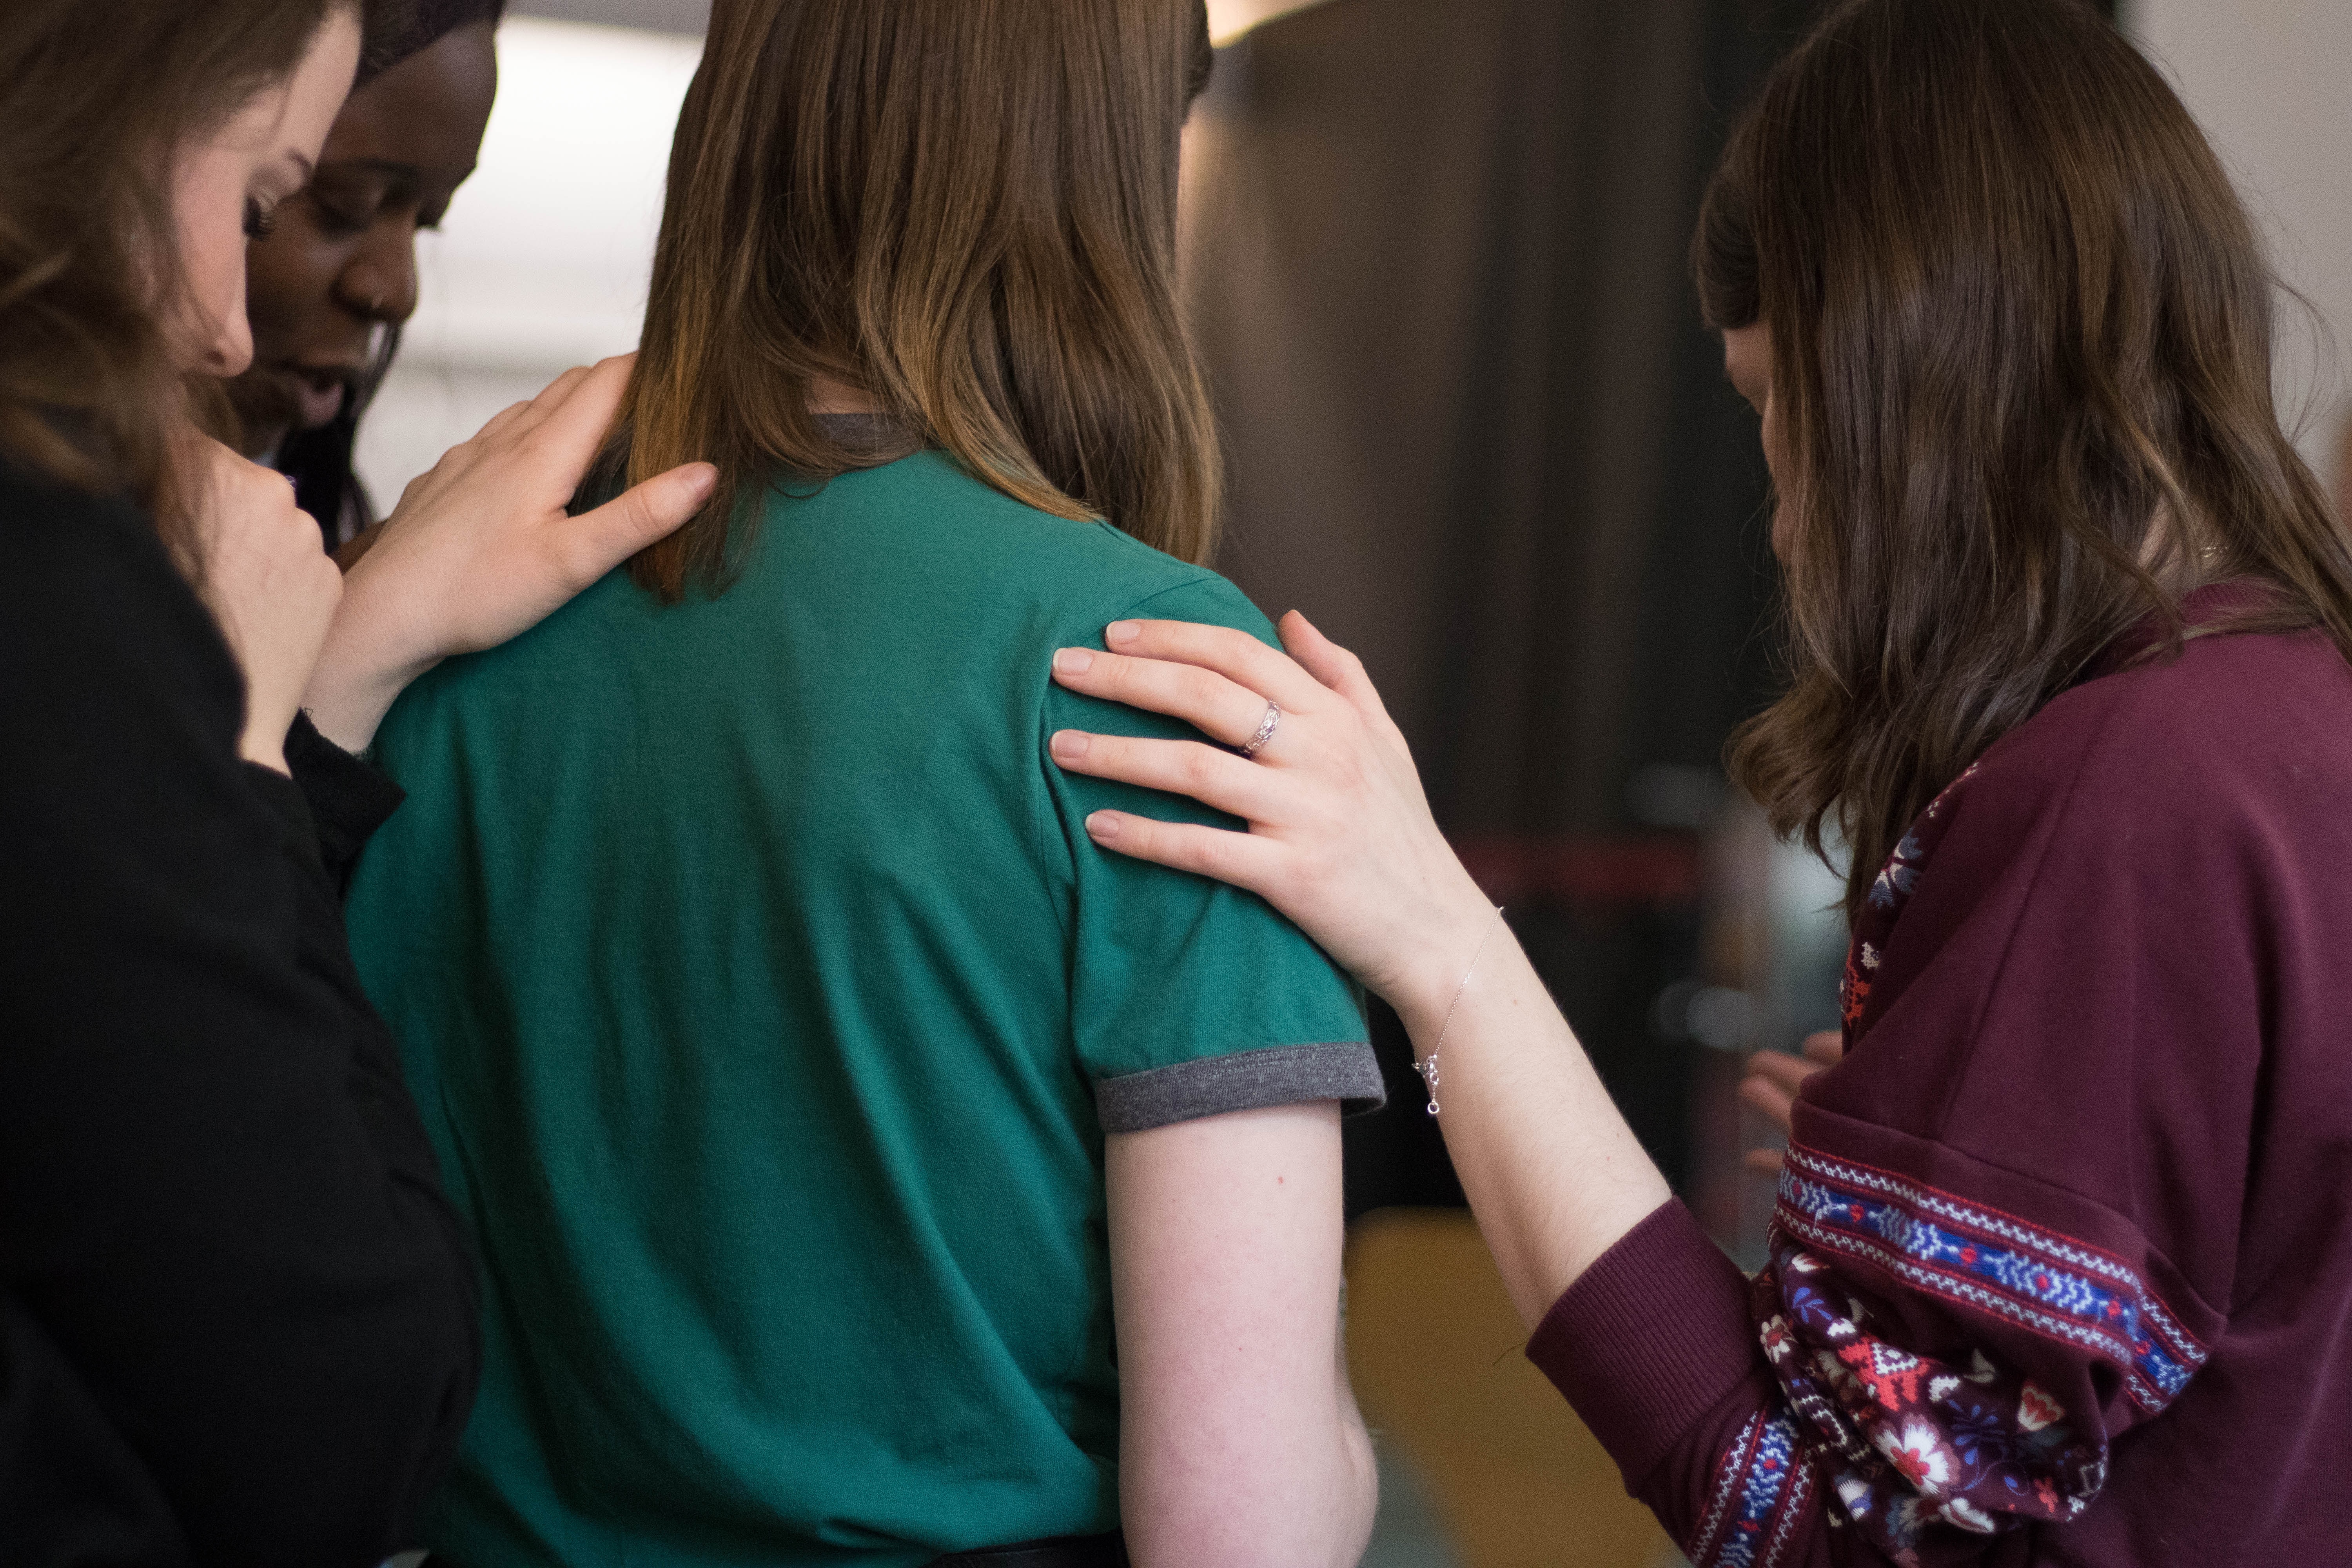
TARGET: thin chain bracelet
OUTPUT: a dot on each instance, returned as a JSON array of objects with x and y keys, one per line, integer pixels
[{"x": 1428, "y": 1069}]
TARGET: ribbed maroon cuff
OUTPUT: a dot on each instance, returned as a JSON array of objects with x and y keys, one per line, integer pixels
[{"x": 1653, "y": 1337}]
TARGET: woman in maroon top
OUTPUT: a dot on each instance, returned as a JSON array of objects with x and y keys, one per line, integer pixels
[{"x": 2061, "y": 1264}]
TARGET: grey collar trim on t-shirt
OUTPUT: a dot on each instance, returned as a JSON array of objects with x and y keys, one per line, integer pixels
[{"x": 1245, "y": 1080}]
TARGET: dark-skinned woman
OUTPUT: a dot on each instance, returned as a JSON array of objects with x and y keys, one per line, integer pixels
[
  {"x": 236, "y": 1316},
  {"x": 333, "y": 278}
]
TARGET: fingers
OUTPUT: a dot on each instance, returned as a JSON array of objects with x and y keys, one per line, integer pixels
[
  {"x": 1779, "y": 1068},
  {"x": 574, "y": 428},
  {"x": 1768, "y": 1099},
  {"x": 1325, "y": 660},
  {"x": 1240, "y": 859},
  {"x": 1203, "y": 698},
  {"x": 596, "y": 542},
  {"x": 1229, "y": 783},
  {"x": 527, "y": 416},
  {"x": 1773, "y": 1082},
  {"x": 1337, "y": 669},
  {"x": 512, "y": 413},
  {"x": 1235, "y": 655}
]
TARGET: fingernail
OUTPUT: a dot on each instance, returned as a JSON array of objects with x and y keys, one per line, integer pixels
[
  {"x": 1102, "y": 825},
  {"x": 702, "y": 479},
  {"x": 1122, "y": 632},
  {"x": 1072, "y": 661},
  {"x": 1069, "y": 745}
]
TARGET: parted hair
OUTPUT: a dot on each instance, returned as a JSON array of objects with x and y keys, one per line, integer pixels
[
  {"x": 95, "y": 96},
  {"x": 965, "y": 209},
  {"x": 2021, "y": 352}
]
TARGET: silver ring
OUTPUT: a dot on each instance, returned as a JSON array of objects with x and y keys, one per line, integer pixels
[
  {"x": 1265, "y": 727},
  {"x": 290, "y": 480}
]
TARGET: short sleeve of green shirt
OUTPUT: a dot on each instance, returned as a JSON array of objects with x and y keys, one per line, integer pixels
[{"x": 1188, "y": 998}]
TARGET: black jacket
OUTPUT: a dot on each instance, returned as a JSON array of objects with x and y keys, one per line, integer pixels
[{"x": 236, "y": 1315}]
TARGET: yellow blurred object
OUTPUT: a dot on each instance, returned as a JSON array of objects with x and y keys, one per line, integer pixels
[
  {"x": 1438, "y": 1359},
  {"x": 1229, "y": 19}
]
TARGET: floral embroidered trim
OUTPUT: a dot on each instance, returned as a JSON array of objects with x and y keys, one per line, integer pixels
[
  {"x": 1762, "y": 1486},
  {"x": 1910, "y": 1444},
  {"x": 1889, "y": 891},
  {"x": 1990, "y": 1262},
  {"x": 1900, "y": 874}
]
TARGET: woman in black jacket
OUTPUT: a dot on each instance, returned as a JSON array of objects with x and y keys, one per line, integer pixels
[{"x": 235, "y": 1315}]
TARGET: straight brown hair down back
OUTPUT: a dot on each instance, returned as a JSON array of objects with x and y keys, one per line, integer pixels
[
  {"x": 2021, "y": 345},
  {"x": 94, "y": 96},
  {"x": 965, "y": 209}
]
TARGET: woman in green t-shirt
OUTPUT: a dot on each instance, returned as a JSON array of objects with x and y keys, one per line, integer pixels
[{"x": 866, "y": 1167}]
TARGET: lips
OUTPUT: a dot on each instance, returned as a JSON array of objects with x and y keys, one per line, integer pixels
[{"x": 312, "y": 395}]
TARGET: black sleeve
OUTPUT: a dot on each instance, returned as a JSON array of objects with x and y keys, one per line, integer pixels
[
  {"x": 72, "y": 1492},
  {"x": 215, "y": 1196},
  {"x": 349, "y": 800}
]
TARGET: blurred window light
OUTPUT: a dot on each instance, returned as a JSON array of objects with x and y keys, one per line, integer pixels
[
  {"x": 545, "y": 253},
  {"x": 2265, "y": 79}
]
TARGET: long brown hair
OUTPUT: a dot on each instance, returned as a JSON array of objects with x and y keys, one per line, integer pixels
[
  {"x": 96, "y": 94},
  {"x": 964, "y": 209},
  {"x": 2021, "y": 338}
]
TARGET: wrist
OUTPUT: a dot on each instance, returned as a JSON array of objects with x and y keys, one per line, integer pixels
[
  {"x": 350, "y": 692},
  {"x": 1456, "y": 946},
  {"x": 257, "y": 746},
  {"x": 362, "y": 670}
]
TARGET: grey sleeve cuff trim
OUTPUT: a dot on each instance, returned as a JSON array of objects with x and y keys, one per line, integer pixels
[{"x": 1245, "y": 1080}]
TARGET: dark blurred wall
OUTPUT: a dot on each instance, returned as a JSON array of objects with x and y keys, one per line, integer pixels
[{"x": 1478, "y": 434}]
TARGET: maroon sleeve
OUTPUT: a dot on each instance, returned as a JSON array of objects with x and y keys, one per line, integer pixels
[
  {"x": 2007, "y": 1214},
  {"x": 2010, "y": 1217},
  {"x": 1657, "y": 1348}
]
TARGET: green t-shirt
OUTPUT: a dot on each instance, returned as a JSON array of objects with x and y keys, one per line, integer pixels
[{"x": 768, "y": 1006}]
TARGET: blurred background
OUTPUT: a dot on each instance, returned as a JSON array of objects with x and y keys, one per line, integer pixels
[{"x": 1435, "y": 252}]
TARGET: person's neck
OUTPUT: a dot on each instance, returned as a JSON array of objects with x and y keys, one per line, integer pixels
[{"x": 828, "y": 395}]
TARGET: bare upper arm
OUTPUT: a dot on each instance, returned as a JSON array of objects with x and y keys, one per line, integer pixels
[{"x": 1240, "y": 1441}]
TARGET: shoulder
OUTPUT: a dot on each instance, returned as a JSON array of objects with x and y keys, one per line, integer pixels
[
  {"x": 2182, "y": 805},
  {"x": 54, "y": 533},
  {"x": 91, "y": 602},
  {"x": 2238, "y": 731},
  {"x": 2219, "y": 771},
  {"x": 1074, "y": 572}
]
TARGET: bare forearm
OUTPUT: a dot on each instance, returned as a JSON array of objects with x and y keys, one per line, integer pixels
[
  {"x": 1552, "y": 1170},
  {"x": 1307, "y": 1500}
]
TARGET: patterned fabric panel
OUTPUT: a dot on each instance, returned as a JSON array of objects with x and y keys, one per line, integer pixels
[
  {"x": 1906, "y": 1443},
  {"x": 1985, "y": 1261},
  {"x": 1763, "y": 1492},
  {"x": 1888, "y": 893}
]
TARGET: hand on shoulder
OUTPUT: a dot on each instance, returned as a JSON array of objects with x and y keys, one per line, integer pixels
[
  {"x": 1340, "y": 837},
  {"x": 481, "y": 549}
]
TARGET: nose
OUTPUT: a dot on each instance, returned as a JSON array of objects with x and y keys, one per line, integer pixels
[
  {"x": 226, "y": 350},
  {"x": 378, "y": 283}
]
